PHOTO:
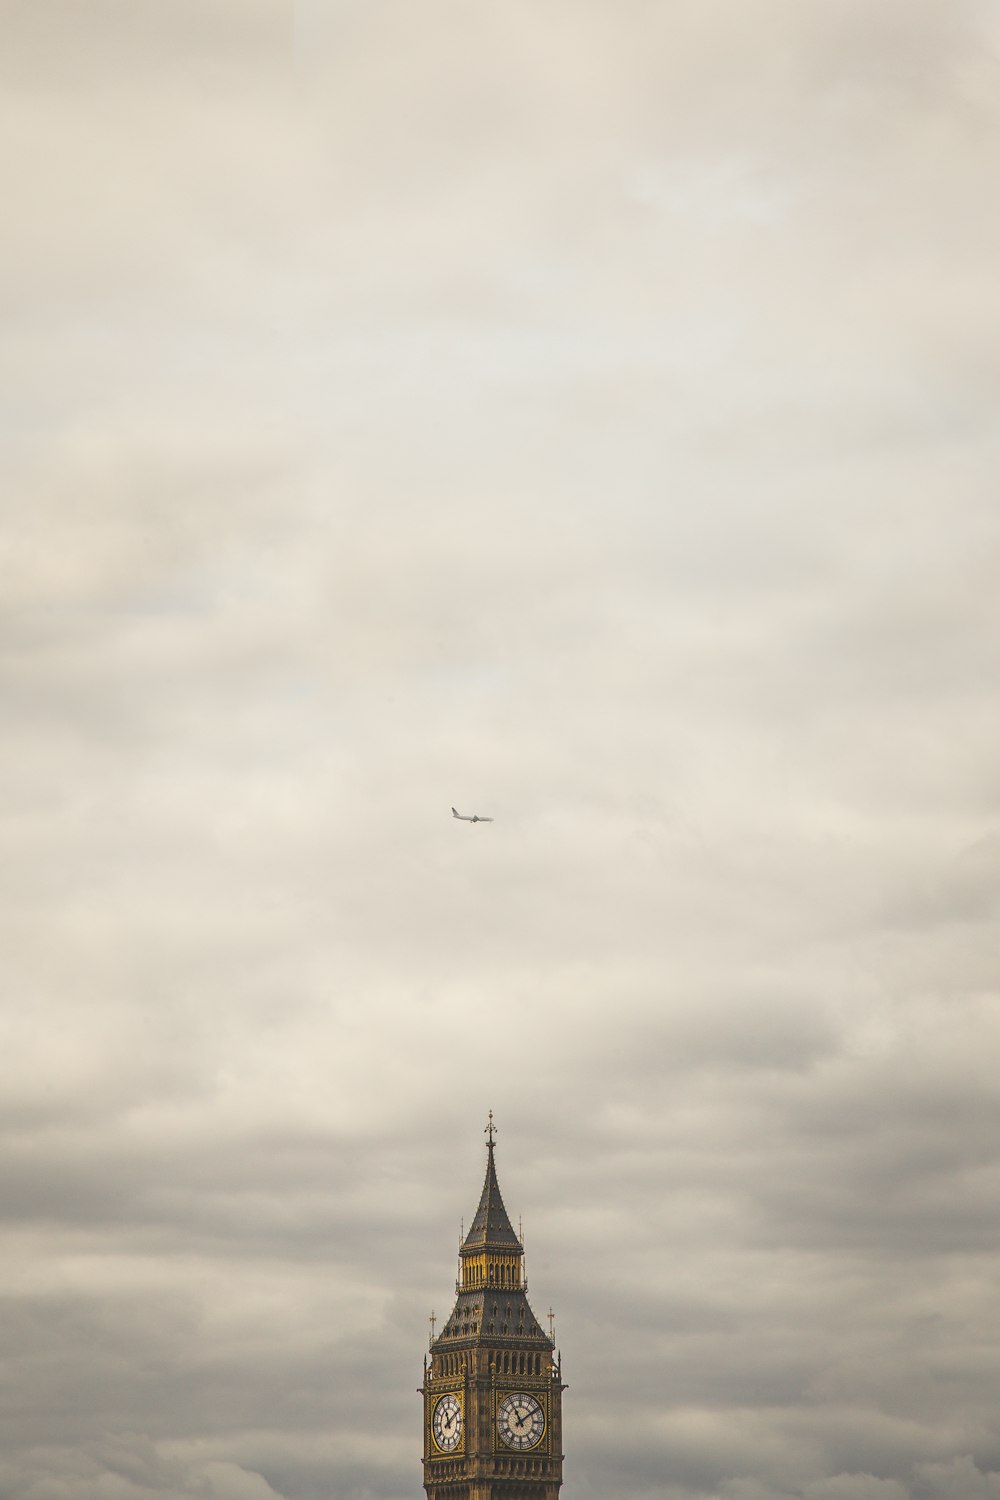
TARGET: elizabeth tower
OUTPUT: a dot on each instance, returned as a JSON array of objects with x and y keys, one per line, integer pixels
[{"x": 492, "y": 1383}]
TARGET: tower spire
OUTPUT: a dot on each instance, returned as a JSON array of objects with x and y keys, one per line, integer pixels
[{"x": 491, "y": 1228}]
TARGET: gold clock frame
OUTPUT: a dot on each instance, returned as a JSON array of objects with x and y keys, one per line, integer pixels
[
  {"x": 537, "y": 1393},
  {"x": 434, "y": 1450}
]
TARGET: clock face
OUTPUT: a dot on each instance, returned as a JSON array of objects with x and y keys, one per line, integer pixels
[
  {"x": 520, "y": 1421},
  {"x": 446, "y": 1423}
]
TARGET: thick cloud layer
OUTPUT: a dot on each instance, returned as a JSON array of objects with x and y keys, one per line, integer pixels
[{"x": 584, "y": 415}]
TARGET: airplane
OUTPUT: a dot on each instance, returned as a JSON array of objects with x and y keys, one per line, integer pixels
[{"x": 464, "y": 817}]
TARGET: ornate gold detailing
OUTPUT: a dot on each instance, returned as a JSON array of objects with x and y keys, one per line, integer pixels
[
  {"x": 501, "y": 1271},
  {"x": 446, "y": 1423},
  {"x": 521, "y": 1420}
]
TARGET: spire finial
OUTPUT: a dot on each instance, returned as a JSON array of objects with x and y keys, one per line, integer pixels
[{"x": 490, "y": 1131}]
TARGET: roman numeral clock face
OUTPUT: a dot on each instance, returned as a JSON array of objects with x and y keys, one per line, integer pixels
[
  {"x": 446, "y": 1424},
  {"x": 520, "y": 1421}
]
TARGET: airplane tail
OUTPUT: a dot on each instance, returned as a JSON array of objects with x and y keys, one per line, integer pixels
[{"x": 454, "y": 812}]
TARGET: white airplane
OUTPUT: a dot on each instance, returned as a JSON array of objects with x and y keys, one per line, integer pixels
[{"x": 464, "y": 817}]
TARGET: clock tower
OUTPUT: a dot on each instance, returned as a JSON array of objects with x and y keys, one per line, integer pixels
[{"x": 492, "y": 1382}]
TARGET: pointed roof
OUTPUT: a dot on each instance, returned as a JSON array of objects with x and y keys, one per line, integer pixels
[{"x": 491, "y": 1227}]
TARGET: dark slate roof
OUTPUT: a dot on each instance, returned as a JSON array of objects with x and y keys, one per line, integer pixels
[
  {"x": 492, "y": 1315},
  {"x": 491, "y": 1228}
]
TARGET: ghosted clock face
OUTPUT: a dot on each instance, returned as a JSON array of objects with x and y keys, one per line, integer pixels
[
  {"x": 446, "y": 1423},
  {"x": 520, "y": 1421}
]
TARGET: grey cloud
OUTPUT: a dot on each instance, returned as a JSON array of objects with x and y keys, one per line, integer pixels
[{"x": 587, "y": 422}]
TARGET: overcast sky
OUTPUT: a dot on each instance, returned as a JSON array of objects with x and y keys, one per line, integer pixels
[{"x": 583, "y": 412}]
